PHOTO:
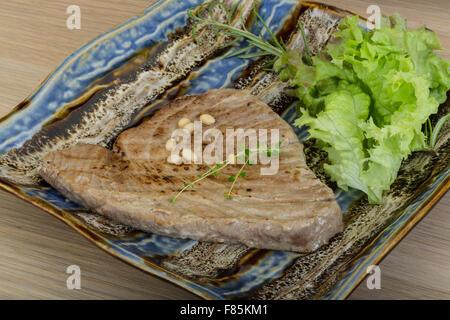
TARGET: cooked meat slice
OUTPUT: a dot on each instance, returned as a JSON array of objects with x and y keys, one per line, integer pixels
[{"x": 291, "y": 210}]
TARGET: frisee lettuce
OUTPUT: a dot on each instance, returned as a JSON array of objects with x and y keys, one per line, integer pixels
[{"x": 366, "y": 99}]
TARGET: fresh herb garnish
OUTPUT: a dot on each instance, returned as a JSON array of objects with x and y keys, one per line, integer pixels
[
  {"x": 240, "y": 174},
  {"x": 212, "y": 171},
  {"x": 267, "y": 47},
  {"x": 247, "y": 155},
  {"x": 309, "y": 61}
]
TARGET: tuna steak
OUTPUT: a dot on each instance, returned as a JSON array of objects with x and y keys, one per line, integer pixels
[{"x": 133, "y": 183}]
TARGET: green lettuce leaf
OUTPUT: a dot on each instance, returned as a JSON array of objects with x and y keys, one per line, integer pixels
[
  {"x": 338, "y": 128},
  {"x": 366, "y": 104}
]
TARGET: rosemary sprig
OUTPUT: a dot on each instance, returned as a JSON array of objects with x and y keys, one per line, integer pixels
[
  {"x": 305, "y": 41},
  {"x": 254, "y": 41},
  {"x": 272, "y": 35},
  {"x": 267, "y": 47}
]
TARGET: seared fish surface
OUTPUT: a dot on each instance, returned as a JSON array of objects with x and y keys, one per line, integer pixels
[{"x": 133, "y": 183}]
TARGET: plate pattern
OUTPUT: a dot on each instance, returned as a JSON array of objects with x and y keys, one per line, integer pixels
[{"x": 211, "y": 270}]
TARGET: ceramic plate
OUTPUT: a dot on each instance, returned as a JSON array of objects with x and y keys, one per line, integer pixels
[{"x": 62, "y": 112}]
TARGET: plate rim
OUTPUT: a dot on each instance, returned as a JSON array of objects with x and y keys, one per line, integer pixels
[{"x": 417, "y": 216}]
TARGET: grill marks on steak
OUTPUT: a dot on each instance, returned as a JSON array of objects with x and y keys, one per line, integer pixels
[{"x": 133, "y": 183}]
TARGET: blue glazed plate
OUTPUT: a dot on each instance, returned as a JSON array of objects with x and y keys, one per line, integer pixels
[{"x": 213, "y": 271}]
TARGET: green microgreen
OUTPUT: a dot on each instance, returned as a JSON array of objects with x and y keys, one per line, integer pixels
[
  {"x": 240, "y": 174},
  {"x": 213, "y": 171},
  {"x": 246, "y": 156}
]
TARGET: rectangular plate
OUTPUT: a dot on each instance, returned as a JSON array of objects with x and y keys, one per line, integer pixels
[{"x": 214, "y": 271}]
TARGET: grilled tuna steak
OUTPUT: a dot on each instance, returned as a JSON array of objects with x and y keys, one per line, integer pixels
[{"x": 291, "y": 210}]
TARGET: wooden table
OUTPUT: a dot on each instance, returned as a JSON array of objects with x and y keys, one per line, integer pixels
[{"x": 36, "y": 248}]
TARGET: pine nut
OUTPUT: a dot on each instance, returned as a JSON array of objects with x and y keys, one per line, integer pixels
[
  {"x": 183, "y": 122},
  {"x": 174, "y": 159},
  {"x": 189, "y": 127},
  {"x": 170, "y": 144},
  {"x": 207, "y": 119}
]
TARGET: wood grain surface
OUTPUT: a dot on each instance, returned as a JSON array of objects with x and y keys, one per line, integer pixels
[{"x": 36, "y": 248}]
